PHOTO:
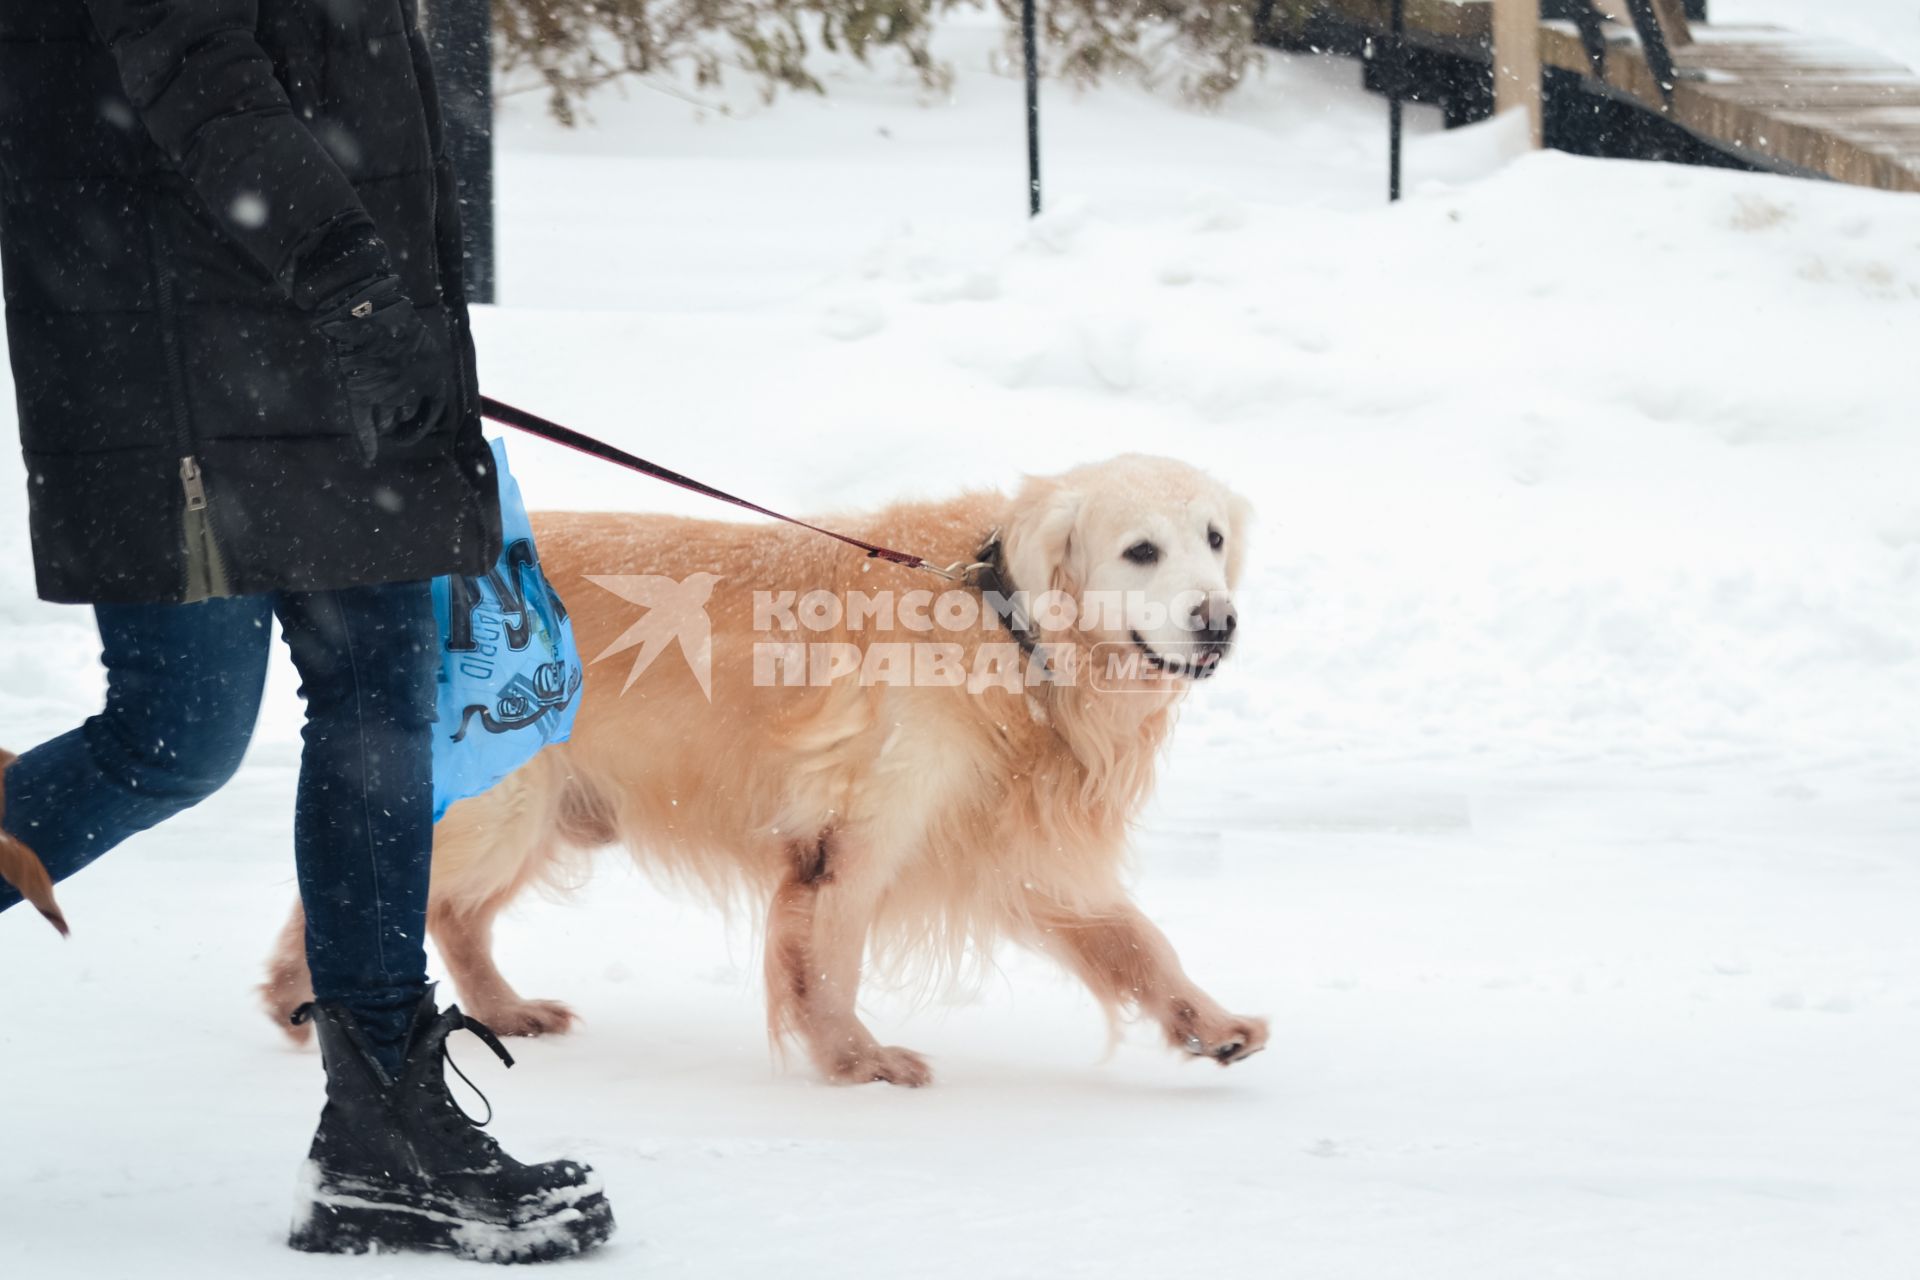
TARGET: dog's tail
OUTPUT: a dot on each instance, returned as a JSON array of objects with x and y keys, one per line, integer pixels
[{"x": 19, "y": 868}]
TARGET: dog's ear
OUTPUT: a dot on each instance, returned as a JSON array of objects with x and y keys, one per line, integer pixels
[
  {"x": 1240, "y": 529},
  {"x": 1039, "y": 539}
]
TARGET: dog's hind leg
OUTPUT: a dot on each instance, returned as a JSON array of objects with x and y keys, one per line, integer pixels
[
  {"x": 486, "y": 851},
  {"x": 288, "y": 984},
  {"x": 816, "y": 940},
  {"x": 465, "y": 939},
  {"x": 1129, "y": 964}
]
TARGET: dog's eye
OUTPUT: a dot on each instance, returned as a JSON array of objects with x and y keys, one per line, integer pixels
[
  {"x": 1142, "y": 553},
  {"x": 1215, "y": 540}
]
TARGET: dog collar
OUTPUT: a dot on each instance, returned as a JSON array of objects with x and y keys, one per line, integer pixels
[{"x": 989, "y": 574}]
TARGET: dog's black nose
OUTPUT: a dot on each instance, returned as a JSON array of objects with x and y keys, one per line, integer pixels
[{"x": 1215, "y": 627}]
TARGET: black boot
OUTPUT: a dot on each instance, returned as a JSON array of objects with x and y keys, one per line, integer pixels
[{"x": 396, "y": 1164}]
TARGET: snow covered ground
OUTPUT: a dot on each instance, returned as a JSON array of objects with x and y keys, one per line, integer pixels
[
  {"x": 1890, "y": 27},
  {"x": 1562, "y": 807}
]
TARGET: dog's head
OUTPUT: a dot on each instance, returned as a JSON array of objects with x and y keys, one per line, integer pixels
[{"x": 1144, "y": 554}]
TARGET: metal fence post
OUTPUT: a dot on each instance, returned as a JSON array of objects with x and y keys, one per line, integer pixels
[
  {"x": 1396, "y": 68},
  {"x": 1029, "y": 38},
  {"x": 460, "y": 34}
]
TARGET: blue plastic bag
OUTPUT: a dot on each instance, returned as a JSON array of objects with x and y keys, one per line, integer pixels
[{"x": 509, "y": 671}]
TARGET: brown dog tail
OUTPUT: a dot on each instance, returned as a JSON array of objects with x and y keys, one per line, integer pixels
[{"x": 19, "y": 868}]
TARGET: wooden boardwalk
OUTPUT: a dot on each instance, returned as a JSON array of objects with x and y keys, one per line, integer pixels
[{"x": 1772, "y": 98}]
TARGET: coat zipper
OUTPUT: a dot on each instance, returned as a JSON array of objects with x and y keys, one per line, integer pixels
[
  {"x": 206, "y": 571},
  {"x": 206, "y": 568}
]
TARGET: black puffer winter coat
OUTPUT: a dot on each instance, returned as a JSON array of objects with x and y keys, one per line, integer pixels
[{"x": 181, "y": 183}]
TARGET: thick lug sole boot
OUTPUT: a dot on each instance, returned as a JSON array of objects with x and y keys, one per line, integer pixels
[{"x": 338, "y": 1214}]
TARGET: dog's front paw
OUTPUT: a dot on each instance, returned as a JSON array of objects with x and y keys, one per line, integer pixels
[
  {"x": 1222, "y": 1037},
  {"x": 881, "y": 1064},
  {"x": 526, "y": 1017}
]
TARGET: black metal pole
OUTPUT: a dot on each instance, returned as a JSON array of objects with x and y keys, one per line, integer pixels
[
  {"x": 1030, "y": 39},
  {"x": 1653, "y": 42},
  {"x": 1396, "y": 59},
  {"x": 460, "y": 34}
]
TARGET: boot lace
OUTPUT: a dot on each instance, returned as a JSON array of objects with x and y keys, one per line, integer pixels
[{"x": 455, "y": 1020}]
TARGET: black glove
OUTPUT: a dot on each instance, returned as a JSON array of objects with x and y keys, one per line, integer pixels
[{"x": 398, "y": 373}]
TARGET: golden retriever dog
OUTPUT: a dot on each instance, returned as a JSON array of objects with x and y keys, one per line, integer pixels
[{"x": 894, "y": 771}]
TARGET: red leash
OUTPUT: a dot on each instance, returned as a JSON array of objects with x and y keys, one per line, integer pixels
[{"x": 533, "y": 424}]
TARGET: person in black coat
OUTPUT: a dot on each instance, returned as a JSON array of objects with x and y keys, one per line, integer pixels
[{"x": 230, "y": 243}]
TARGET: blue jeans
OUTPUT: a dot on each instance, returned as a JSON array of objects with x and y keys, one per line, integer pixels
[{"x": 183, "y": 693}]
